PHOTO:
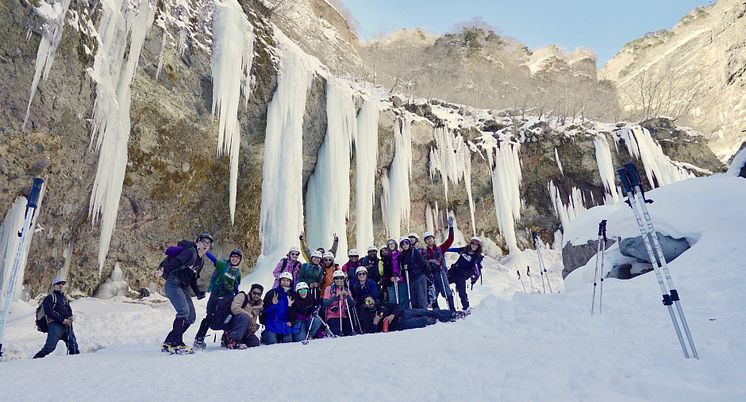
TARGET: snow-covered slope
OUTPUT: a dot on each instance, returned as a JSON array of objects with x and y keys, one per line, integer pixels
[{"x": 519, "y": 348}]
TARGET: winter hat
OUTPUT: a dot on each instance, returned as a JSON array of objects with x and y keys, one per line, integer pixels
[
  {"x": 338, "y": 274},
  {"x": 373, "y": 248},
  {"x": 427, "y": 234},
  {"x": 301, "y": 285},
  {"x": 413, "y": 234},
  {"x": 286, "y": 275},
  {"x": 476, "y": 239},
  {"x": 328, "y": 254},
  {"x": 57, "y": 280},
  {"x": 361, "y": 269},
  {"x": 317, "y": 254},
  {"x": 236, "y": 252},
  {"x": 294, "y": 250}
]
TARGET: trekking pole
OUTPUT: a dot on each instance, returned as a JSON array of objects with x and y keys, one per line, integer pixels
[
  {"x": 528, "y": 273},
  {"x": 641, "y": 201},
  {"x": 409, "y": 290},
  {"x": 31, "y": 206},
  {"x": 328, "y": 329},
  {"x": 521, "y": 279},
  {"x": 542, "y": 267},
  {"x": 396, "y": 291},
  {"x": 599, "y": 256},
  {"x": 349, "y": 315},
  {"x": 632, "y": 201},
  {"x": 535, "y": 237}
]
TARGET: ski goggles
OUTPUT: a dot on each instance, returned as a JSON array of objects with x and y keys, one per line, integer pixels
[{"x": 303, "y": 291}]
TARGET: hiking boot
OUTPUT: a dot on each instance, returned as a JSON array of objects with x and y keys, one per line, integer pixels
[
  {"x": 199, "y": 343},
  {"x": 233, "y": 344},
  {"x": 224, "y": 340},
  {"x": 167, "y": 348},
  {"x": 183, "y": 350}
]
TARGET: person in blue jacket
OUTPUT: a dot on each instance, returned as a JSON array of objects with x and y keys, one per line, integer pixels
[
  {"x": 277, "y": 326},
  {"x": 468, "y": 265},
  {"x": 60, "y": 321}
]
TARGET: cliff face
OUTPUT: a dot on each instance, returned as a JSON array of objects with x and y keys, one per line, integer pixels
[
  {"x": 694, "y": 72},
  {"x": 175, "y": 186}
]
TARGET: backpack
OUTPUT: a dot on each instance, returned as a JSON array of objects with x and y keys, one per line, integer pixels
[
  {"x": 42, "y": 324},
  {"x": 170, "y": 264},
  {"x": 220, "y": 315}
]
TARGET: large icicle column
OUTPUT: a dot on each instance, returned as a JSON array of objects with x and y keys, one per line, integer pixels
[
  {"x": 605, "y": 168},
  {"x": 281, "y": 216},
  {"x": 366, "y": 157},
  {"x": 506, "y": 185},
  {"x": 232, "y": 56},
  {"x": 122, "y": 22},
  {"x": 53, "y": 13},
  {"x": 451, "y": 158},
  {"x": 395, "y": 200},
  {"x": 328, "y": 193},
  {"x": 659, "y": 168}
]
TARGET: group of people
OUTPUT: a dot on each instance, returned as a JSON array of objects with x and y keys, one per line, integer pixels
[{"x": 394, "y": 287}]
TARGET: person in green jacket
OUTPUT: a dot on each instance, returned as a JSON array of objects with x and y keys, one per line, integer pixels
[
  {"x": 223, "y": 282},
  {"x": 311, "y": 273}
]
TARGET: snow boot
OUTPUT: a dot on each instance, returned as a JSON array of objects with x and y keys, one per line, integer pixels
[
  {"x": 167, "y": 348},
  {"x": 234, "y": 344},
  {"x": 183, "y": 350},
  {"x": 175, "y": 336},
  {"x": 199, "y": 343}
]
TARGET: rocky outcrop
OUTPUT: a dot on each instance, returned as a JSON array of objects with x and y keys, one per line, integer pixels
[
  {"x": 577, "y": 255},
  {"x": 671, "y": 247}
]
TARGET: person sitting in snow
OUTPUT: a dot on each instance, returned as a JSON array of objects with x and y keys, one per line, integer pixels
[
  {"x": 181, "y": 272},
  {"x": 288, "y": 263},
  {"x": 60, "y": 319},
  {"x": 224, "y": 282},
  {"x": 468, "y": 265},
  {"x": 245, "y": 309},
  {"x": 301, "y": 313},
  {"x": 277, "y": 327}
]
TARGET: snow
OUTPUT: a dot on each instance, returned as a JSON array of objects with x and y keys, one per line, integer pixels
[
  {"x": 53, "y": 13},
  {"x": 605, "y": 168},
  {"x": 114, "y": 286},
  {"x": 232, "y": 57},
  {"x": 113, "y": 70},
  {"x": 366, "y": 156},
  {"x": 395, "y": 201},
  {"x": 451, "y": 159},
  {"x": 281, "y": 216},
  {"x": 328, "y": 193},
  {"x": 739, "y": 160},
  {"x": 506, "y": 185}
]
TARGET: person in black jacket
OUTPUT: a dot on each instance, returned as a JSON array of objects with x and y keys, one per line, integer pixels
[
  {"x": 373, "y": 315},
  {"x": 60, "y": 321},
  {"x": 412, "y": 262},
  {"x": 181, "y": 272}
]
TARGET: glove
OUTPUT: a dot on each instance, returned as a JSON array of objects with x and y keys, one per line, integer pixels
[
  {"x": 473, "y": 280},
  {"x": 450, "y": 221},
  {"x": 200, "y": 295}
]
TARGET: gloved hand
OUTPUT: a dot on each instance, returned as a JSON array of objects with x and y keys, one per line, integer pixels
[
  {"x": 450, "y": 221},
  {"x": 473, "y": 280},
  {"x": 200, "y": 295}
]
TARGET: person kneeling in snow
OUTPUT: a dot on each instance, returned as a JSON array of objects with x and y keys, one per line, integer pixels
[
  {"x": 60, "y": 318},
  {"x": 277, "y": 327},
  {"x": 374, "y": 317},
  {"x": 301, "y": 313},
  {"x": 245, "y": 309}
]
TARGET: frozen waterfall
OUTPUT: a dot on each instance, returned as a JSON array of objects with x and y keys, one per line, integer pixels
[{"x": 366, "y": 159}]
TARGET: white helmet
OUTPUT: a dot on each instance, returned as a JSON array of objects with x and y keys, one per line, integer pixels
[
  {"x": 373, "y": 248},
  {"x": 301, "y": 285},
  {"x": 403, "y": 239},
  {"x": 361, "y": 269},
  {"x": 294, "y": 250},
  {"x": 339, "y": 274},
  {"x": 328, "y": 254},
  {"x": 413, "y": 234},
  {"x": 317, "y": 254},
  {"x": 353, "y": 253},
  {"x": 476, "y": 239},
  {"x": 427, "y": 234},
  {"x": 286, "y": 275}
]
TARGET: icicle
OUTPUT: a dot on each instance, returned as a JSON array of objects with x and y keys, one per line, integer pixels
[
  {"x": 328, "y": 193},
  {"x": 656, "y": 163},
  {"x": 232, "y": 57},
  {"x": 451, "y": 158},
  {"x": 506, "y": 186},
  {"x": 429, "y": 219},
  {"x": 396, "y": 183},
  {"x": 559, "y": 164},
  {"x": 51, "y": 33},
  {"x": 605, "y": 168},
  {"x": 366, "y": 158},
  {"x": 122, "y": 22},
  {"x": 160, "y": 55},
  {"x": 281, "y": 217},
  {"x": 566, "y": 213}
]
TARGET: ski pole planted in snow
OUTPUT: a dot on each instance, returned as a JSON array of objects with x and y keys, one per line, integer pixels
[
  {"x": 31, "y": 206},
  {"x": 600, "y": 247},
  {"x": 634, "y": 179},
  {"x": 542, "y": 267},
  {"x": 535, "y": 236},
  {"x": 531, "y": 281},
  {"x": 636, "y": 200},
  {"x": 521, "y": 279},
  {"x": 409, "y": 290}
]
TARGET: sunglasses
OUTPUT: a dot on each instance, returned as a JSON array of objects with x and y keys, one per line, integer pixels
[
  {"x": 205, "y": 242},
  {"x": 294, "y": 254},
  {"x": 258, "y": 294},
  {"x": 60, "y": 283},
  {"x": 362, "y": 274},
  {"x": 339, "y": 279},
  {"x": 303, "y": 291},
  {"x": 328, "y": 259}
]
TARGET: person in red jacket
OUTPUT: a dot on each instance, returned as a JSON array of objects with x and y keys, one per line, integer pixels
[{"x": 435, "y": 256}]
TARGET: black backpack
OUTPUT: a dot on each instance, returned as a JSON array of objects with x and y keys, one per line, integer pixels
[
  {"x": 42, "y": 324},
  {"x": 170, "y": 264},
  {"x": 220, "y": 315}
]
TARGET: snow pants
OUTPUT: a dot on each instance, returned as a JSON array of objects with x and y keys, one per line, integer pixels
[
  {"x": 205, "y": 324},
  {"x": 305, "y": 326},
  {"x": 346, "y": 330},
  {"x": 270, "y": 338},
  {"x": 419, "y": 291},
  {"x": 419, "y": 318},
  {"x": 58, "y": 332},
  {"x": 238, "y": 330},
  {"x": 403, "y": 294}
]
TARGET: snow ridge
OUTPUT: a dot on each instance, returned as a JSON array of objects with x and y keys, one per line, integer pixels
[
  {"x": 232, "y": 57},
  {"x": 328, "y": 193},
  {"x": 114, "y": 67},
  {"x": 366, "y": 156},
  {"x": 51, "y": 33}
]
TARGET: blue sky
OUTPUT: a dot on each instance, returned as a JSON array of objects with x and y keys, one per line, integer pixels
[{"x": 602, "y": 25}]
